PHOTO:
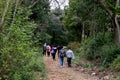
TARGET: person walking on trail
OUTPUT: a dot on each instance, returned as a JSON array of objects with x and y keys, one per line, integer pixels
[
  {"x": 48, "y": 50},
  {"x": 44, "y": 49},
  {"x": 61, "y": 56},
  {"x": 55, "y": 49},
  {"x": 70, "y": 56},
  {"x": 53, "y": 53},
  {"x": 58, "y": 49}
]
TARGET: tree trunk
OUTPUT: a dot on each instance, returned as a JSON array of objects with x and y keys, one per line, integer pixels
[
  {"x": 83, "y": 32},
  {"x": 92, "y": 28},
  {"x": 15, "y": 10},
  {"x": 4, "y": 13},
  {"x": 115, "y": 19},
  {"x": 117, "y": 22}
]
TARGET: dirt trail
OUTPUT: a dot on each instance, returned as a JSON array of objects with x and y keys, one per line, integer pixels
[{"x": 55, "y": 72}]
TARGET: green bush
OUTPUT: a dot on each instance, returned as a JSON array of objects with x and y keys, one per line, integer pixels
[
  {"x": 101, "y": 68},
  {"x": 100, "y": 48},
  {"x": 115, "y": 65},
  {"x": 92, "y": 45},
  {"x": 109, "y": 53},
  {"x": 16, "y": 41},
  {"x": 16, "y": 50}
]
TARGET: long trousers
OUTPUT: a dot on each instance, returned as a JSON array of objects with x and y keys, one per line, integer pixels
[
  {"x": 48, "y": 53},
  {"x": 69, "y": 61},
  {"x": 53, "y": 56},
  {"x": 61, "y": 61}
]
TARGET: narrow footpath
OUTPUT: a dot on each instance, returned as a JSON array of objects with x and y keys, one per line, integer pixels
[{"x": 54, "y": 72}]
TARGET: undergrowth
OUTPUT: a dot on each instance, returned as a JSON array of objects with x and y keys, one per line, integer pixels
[{"x": 101, "y": 50}]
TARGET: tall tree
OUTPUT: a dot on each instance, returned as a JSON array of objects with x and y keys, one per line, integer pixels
[
  {"x": 92, "y": 17},
  {"x": 56, "y": 29},
  {"x": 112, "y": 8}
]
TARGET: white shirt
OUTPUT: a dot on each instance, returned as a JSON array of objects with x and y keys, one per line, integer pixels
[{"x": 69, "y": 54}]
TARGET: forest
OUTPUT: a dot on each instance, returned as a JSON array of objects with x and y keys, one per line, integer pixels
[{"x": 90, "y": 27}]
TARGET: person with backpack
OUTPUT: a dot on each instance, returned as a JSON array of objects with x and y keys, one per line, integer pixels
[
  {"x": 48, "y": 50},
  {"x": 61, "y": 56},
  {"x": 58, "y": 49},
  {"x": 53, "y": 53},
  {"x": 70, "y": 56}
]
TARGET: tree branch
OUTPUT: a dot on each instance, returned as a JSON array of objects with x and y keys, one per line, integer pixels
[
  {"x": 33, "y": 3},
  {"x": 57, "y": 3},
  {"x": 4, "y": 12},
  {"x": 15, "y": 10},
  {"x": 103, "y": 5}
]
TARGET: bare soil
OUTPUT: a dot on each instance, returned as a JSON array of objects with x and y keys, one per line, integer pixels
[{"x": 55, "y": 72}]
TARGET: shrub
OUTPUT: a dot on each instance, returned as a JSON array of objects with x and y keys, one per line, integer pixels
[
  {"x": 109, "y": 53},
  {"x": 74, "y": 45},
  {"x": 115, "y": 65},
  {"x": 100, "y": 48},
  {"x": 16, "y": 48}
]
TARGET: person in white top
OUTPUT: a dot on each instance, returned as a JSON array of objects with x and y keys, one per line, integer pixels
[{"x": 70, "y": 56}]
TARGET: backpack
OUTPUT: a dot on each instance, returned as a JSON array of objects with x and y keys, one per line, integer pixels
[
  {"x": 52, "y": 51},
  {"x": 48, "y": 48},
  {"x": 62, "y": 53},
  {"x": 44, "y": 47}
]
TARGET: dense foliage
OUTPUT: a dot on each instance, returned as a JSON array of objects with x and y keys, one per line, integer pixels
[
  {"x": 17, "y": 50},
  {"x": 92, "y": 23},
  {"x": 56, "y": 29},
  {"x": 92, "y": 26}
]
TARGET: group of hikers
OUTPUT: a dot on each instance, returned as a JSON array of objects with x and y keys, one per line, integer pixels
[{"x": 60, "y": 50}]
